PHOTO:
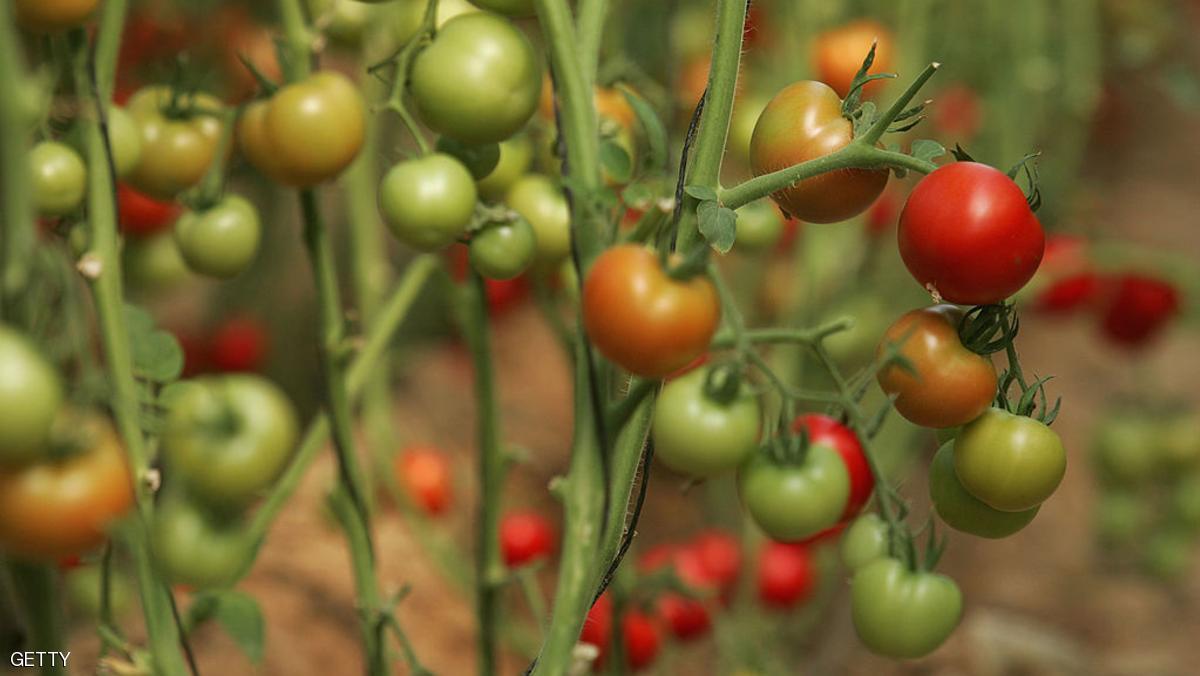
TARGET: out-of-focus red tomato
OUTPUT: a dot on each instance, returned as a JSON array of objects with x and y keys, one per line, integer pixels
[
  {"x": 687, "y": 618},
  {"x": 719, "y": 556},
  {"x": 424, "y": 473},
  {"x": 641, "y": 639},
  {"x": 141, "y": 215},
  {"x": 1137, "y": 308},
  {"x": 1069, "y": 294},
  {"x": 838, "y": 53},
  {"x": 502, "y": 294},
  {"x": 597, "y": 626},
  {"x": 956, "y": 113},
  {"x": 786, "y": 574},
  {"x": 239, "y": 344},
  {"x": 882, "y": 215},
  {"x": 525, "y": 537}
]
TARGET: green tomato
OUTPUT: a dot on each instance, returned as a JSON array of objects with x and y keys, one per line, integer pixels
[
  {"x": 791, "y": 502},
  {"x": 514, "y": 8},
  {"x": 697, "y": 435},
  {"x": 82, "y": 586},
  {"x": 864, "y": 541},
  {"x": 963, "y": 511},
  {"x": 516, "y": 156},
  {"x": 154, "y": 263},
  {"x": 1168, "y": 554},
  {"x": 1121, "y": 517},
  {"x": 59, "y": 178},
  {"x": 1179, "y": 441},
  {"x": 541, "y": 201},
  {"x": 1012, "y": 463},
  {"x": 428, "y": 202},
  {"x": 228, "y": 438},
  {"x": 220, "y": 241},
  {"x": 1185, "y": 502},
  {"x": 196, "y": 548},
  {"x": 1125, "y": 448},
  {"x": 503, "y": 250},
  {"x": 31, "y": 394},
  {"x": 759, "y": 226},
  {"x": 176, "y": 152},
  {"x": 480, "y": 160},
  {"x": 857, "y": 343},
  {"x": 125, "y": 140},
  {"x": 902, "y": 613},
  {"x": 478, "y": 81}
]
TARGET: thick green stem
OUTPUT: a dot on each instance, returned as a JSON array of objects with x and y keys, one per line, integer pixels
[
  {"x": 489, "y": 569},
  {"x": 17, "y": 118},
  {"x": 37, "y": 592},
  {"x": 592, "y": 14},
  {"x": 709, "y": 150}
]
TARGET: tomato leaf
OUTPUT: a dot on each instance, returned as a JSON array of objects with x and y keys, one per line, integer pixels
[
  {"x": 652, "y": 128},
  {"x": 700, "y": 192},
  {"x": 924, "y": 149},
  {"x": 238, "y": 613},
  {"x": 157, "y": 355},
  {"x": 718, "y": 225},
  {"x": 616, "y": 161}
]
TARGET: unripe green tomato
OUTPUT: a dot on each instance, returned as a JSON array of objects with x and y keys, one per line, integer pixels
[
  {"x": 790, "y": 501},
  {"x": 1010, "y": 462},
  {"x": 963, "y": 511},
  {"x": 31, "y": 394},
  {"x": 154, "y": 263},
  {"x": 857, "y": 343},
  {"x": 864, "y": 541},
  {"x": 480, "y": 160},
  {"x": 83, "y": 590},
  {"x": 222, "y": 240},
  {"x": 1121, "y": 517},
  {"x": 478, "y": 81},
  {"x": 195, "y": 548},
  {"x": 903, "y": 613},
  {"x": 125, "y": 140},
  {"x": 59, "y": 178},
  {"x": 514, "y": 8},
  {"x": 1185, "y": 502},
  {"x": 541, "y": 201},
  {"x": 1168, "y": 554},
  {"x": 516, "y": 156},
  {"x": 428, "y": 202},
  {"x": 699, "y": 436},
  {"x": 741, "y": 126},
  {"x": 759, "y": 226},
  {"x": 344, "y": 21},
  {"x": 503, "y": 250},
  {"x": 1125, "y": 448},
  {"x": 1179, "y": 441}
]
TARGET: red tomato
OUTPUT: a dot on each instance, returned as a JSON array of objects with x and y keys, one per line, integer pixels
[
  {"x": 597, "y": 626},
  {"x": 827, "y": 431},
  {"x": 141, "y": 215},
  {"x": 424, "y": 472},
  {"x": 525, "y": 537},
  {"x": 720, "y": 557},
  {"x": 956, "y": 113},
  {"x": 881, "y": 216},
  {"x": 240, "y": 344},
  {"x": 968, "y": 234},
  {"x": 687, "y": 618},
  {"x": 502, "y": 294},
  {"x": 839, "y": 53},
  {"x": 1137, "y": 309},
  {"x": 1068, "y": 294},
  {"x": 641, "y": 639},
  {"x": 785, "y": 574}
]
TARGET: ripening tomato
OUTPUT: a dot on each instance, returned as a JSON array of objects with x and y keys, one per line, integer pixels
[
  {"x": 31, "y": 394},
  {"x": 1010, "y": 462},
  {"x": 59, "y": 178},
  {"x": 903, "y": 613},
  {"x": 478, "y": 81},
  {"x": 968, "y": 236},
  {"x": 786, "y": 574},
  {"x": 823, "y": 429},
  {"x": 1137, "y": 309},
  {"x": 804, "y": 122},
  {"x": 63, "y": 507},
  {"x": 425, "y": 474},
  {"x": 759, "y": 226},
  {"x": 963, "y": 511},
  {"x": 866, "y": 540},
  {"x": 141, "y": 215},
  {"x": 51, "y": 16},
  {"x": 238, "y": 345},
  {"x": 838, "y": 54},
  {"x": 795, "y": 500},
  {"x": 640, "y": 638},
  {"x": 643, "y": 320},
  {"x": 195, "y": 548},
  {"x": 428, "y": 202},
  {"x": 220, "y": 241},
  {"x": 228, "y": 438},
  {"x": 525, "y": 537},
  {"x": 702, "y": 436},
  {"x": 179, "y": 137},
  {"x": 308, "y": 132},
  {"x": 540, "y": 201},
  {"x": 951, "y": 385}
]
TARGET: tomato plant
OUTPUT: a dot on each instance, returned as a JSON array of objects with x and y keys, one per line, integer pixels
[
  {"x": 902, "y": 613},
  {"x": 804, "y": 122},
  {"x": 1010, "y": 462},
  {"x": 822, "y": 429},
  {"x": 702, "y": 433},
  {"x": 968, "y": 234},
  {"x": 642, "y": 319}
]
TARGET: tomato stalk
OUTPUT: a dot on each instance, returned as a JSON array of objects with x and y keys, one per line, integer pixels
[
  {"x": 36, "y": 589},
  {"x": 19, "y": 234},
  {"x": 402, "y": 63}
]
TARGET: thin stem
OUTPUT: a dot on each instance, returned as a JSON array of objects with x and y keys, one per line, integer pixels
[
  {"x": 876, "y": 131},
  {"x": 718, "y": 109},
  {"x": 37, "y": 594},
  {"x": 362, "y": 560},
  {"x": 17, "y": 115},
  {"x": 489, "y": 570},
  {"x": 527, "y": 579},
  {"x": 415, "y": 668},
  {"x": 729, "y": 310},
  {"x": 208, "y": 193},
  {"x": 403, "y": 62}
]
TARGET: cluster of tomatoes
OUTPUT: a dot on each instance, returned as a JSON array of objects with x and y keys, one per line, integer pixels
[{"x": 1148, "y": 510}]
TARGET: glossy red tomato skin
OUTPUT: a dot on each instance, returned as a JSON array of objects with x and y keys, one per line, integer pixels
[
  {"x": 641, "y": 639},
  {"x": 1137, "y": 308},
  {"x": 967, "y": 232},
  {"x": 786, "y": 574},
  {"x": 804, "y": 122},
  {"x": 823, "y": 429},
  {"x": 425, "y": 474},
  {"x": 525, "y": 537},
  {"x": 238, "y": 345},
  {"x": 643, "y": 320},
  {"x": 141, "y": 215}
]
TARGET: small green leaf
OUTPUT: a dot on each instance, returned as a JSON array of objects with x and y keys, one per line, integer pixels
[
  {"x": 637, "y": 194},
  {"x": 864, "y": 117},
  {"x": 718, "y": 225},
  {"x": 924, "y": 149},
  {"x": 653, "y": 130},
  {"x": 700, "y": 192},
  {"x": 616, "y": 161},
  {"x": 242, "y": 619},
  {"x": 157, "y": 356}
]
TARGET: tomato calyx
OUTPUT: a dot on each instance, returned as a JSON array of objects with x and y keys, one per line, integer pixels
[
  {"x": 851, "y": 105},
  {"x": 723, "y": 383},
  {"x": 988, "y": 329}
]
